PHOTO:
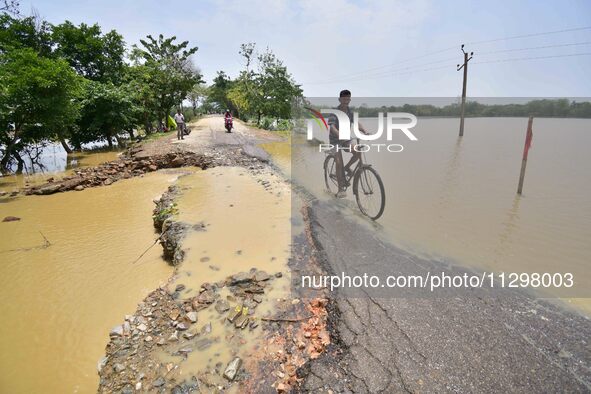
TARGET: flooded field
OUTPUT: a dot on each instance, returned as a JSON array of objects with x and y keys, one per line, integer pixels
[
  {"x": 455, "y": 199},
  {"x": 59, "y": 302},
  {"x": 57, "y": 165}
]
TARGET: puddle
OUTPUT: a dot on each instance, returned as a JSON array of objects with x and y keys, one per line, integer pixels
[{"x": 242, "y": 222}]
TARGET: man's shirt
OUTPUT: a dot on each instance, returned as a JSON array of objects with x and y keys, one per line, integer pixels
[
  {"x": 333, "y": 120},
  {"x": 179, "y": 118}
]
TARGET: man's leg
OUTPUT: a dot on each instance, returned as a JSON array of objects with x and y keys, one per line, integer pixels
[{"x": 340, "y": 170}]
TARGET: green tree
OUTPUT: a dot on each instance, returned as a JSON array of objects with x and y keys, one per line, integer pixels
[
  {"x": 29, "y": 32},
  {"x": 106, "y": 111},
  {"x": 171, "y": 71},
  {"x": 93, "y": 55},
  {"x": 37, "y": 101}
]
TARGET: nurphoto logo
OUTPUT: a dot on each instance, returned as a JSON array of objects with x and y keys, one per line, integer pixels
[{"x": 344, "y": 130}]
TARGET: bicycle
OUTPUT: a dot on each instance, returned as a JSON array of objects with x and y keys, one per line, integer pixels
[{"x": 367, "y": 185}]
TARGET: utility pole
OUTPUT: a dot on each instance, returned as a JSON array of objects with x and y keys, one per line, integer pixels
[{"x": 465, "y": 67}]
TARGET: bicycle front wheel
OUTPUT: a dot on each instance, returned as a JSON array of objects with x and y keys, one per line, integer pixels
[
  {"x": 330, "y": 174},
  {"x": 369, "y": 192}
]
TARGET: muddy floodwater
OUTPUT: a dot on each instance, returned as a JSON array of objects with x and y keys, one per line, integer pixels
[
  {"x": 62, "y": 296},
  {"x": 242, "y": 223},
  {"x": 59, "y": 302},
  {"x": 455, "y": 199}
]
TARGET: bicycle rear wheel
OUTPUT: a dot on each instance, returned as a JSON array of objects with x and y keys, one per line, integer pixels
[
  {"x": 369, "y": 192},
  {"x": 330, "y": 174}
]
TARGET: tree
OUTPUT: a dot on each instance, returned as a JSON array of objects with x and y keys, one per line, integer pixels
[
  {"x": 106, "y": 110},
  {"x": 37, "y": 101},
  {"x": 93, "y": 55},
  {"x": 29, "y": 32},
  {"x": 170, "y": 69},
  {"x": 219, "y": 92}
]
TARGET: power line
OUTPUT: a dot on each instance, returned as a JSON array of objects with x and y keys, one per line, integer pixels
[
  {"x": 449, "y": 65},
  {"x": 389, "y": 72},
  {"x": 538, "y": 47},
  {"x": 529, "y": 35},
  {"x": 344, "y": 77},
  {"x": 389, "y": 65},
  {"x": 533, "y": 58}
]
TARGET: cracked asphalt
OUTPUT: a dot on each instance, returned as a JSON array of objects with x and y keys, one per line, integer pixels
[{"x": 490, "y": 341}]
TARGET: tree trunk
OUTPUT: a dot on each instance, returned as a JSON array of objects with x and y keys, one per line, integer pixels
[
  {"x": 65, "y": 144},
  {"x": 110, "y": 140},
  {"x": 21, "y": 163},
  {"x": 131, "y": 135}
]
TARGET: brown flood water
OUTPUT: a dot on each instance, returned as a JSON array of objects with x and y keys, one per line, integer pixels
[
  {"x": 59, "y": 167},
  {"x": 456, "y": 200},
  {"x": 246, "y": 226},
  {"x": 59, "y": 303}
]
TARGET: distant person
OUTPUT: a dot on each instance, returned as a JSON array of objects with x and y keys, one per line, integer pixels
[
  {"x": 179, "y": 118},
  {"x": 349, "y": 145},
  {"x": 228, "y": 121}
]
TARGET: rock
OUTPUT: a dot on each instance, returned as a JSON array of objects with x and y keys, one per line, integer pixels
[
  {"x": 102, "y": 363},
  {"x": 189, "y": 335},
  {"x": 240, "y": 278},
  {"x": 192, "y": 316},
  {"x": 138, "y": 386},
  {"x": 206, "y": 297},
  {"x": 11, "y": 219},
  {"x": 204, "y": 343},
  {"x": 107, "y": 182},
  {"x": 48, "y": 189},
  {"x": 173, "y": 337},
  {"x": 234, "y": 313},
  {"x": 232, "y": 368},
  {"x": 174, "y": 314},
  {"x": 278, "y": 275},
  {"x": 160, "y": 342},
  {"x": 153, "y": 167},
  {"x": 222, "y": 306},
  {"x": 159, "y": 382},
  {"x": 261, "y": 276},
  {"x": 118, "y": 367},
  {"x": 185, "y": 350},
  {"x": 179, "y": 287},
  {"x": 142, "y": 327},
  {"x": 79, "y": 188},
  {"x": 148, "y": 338},
  {"x": 240, "y": 321},
  {"x": 182, "y": 326},
  {"x": 206, "y": 329},
  {"x": 116, "y": 331}
]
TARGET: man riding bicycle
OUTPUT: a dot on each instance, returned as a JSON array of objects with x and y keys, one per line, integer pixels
[{"x": 348, "y": 145}]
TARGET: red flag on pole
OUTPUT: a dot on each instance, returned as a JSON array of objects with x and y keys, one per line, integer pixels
[{"x": 528, "y": 137}]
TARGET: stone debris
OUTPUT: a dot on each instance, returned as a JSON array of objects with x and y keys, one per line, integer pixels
[{"x": 232, "y": 368}]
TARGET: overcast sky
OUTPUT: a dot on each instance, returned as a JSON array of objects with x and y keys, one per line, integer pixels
[{"x": 336, "y": 41}]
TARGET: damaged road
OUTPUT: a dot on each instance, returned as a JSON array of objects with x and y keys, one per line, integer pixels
[{"x": 495, "y": 341}]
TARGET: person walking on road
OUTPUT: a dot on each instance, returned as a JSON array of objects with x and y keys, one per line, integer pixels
[{"x": 179, "y": 118}]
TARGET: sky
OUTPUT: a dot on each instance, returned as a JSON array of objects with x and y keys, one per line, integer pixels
[{"x": 395, "y": 48}]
